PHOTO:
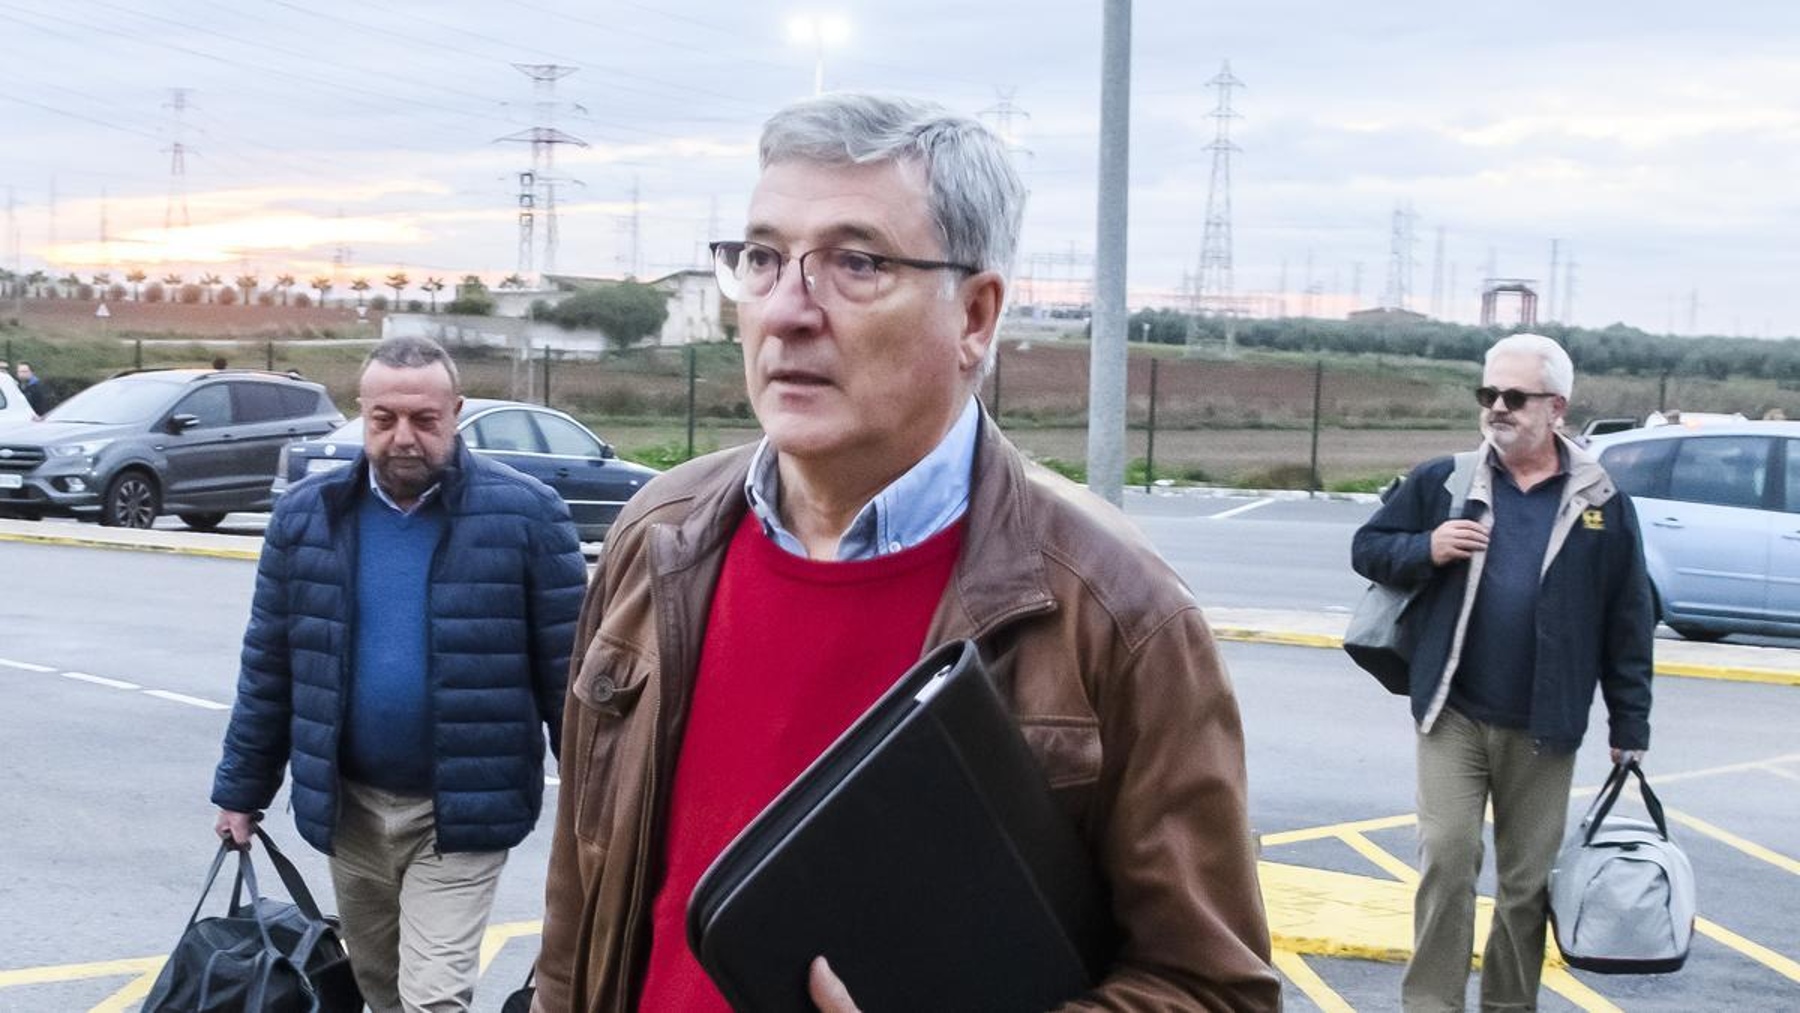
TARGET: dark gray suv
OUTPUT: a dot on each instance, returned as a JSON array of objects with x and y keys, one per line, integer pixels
[{"x": 195, "y": 443}]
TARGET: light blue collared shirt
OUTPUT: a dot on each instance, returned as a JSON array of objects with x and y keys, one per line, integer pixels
[
  {"x": 930, "y": 497},
  {"x": 381, "y": 494}
]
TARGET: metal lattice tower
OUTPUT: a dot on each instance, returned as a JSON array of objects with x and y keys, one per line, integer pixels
[
  {"x": 537, "y": 187},
  {"x": 1216, "y": 288},
  {"x": 177, "y": 205},
  {"x": 1400, "y": 259},
  {"x": 1568, "y": 290},
  {"x": 1550, "y": 284},
  {"x": 1437, "y": 276}
]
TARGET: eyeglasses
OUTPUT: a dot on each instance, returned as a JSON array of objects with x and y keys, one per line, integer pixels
[
  {"x": 1514, "y": 399},
  {"x": 748, "y": 272}
]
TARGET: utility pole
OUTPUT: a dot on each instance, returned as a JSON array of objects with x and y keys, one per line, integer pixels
[
  {"x": 1437, "y": 276},
  {"x": 1568, "y": 290},
  {"x": 176, "y": 207},
  {"x": 1400, "y": 259},
  {"x": 1216, "y": 295},
  {"x": 1107, "y": 353},
  {"x": 537, "y": 185},
  {"x": 1550, "y": 281},
  {"x": 18, "y": 252}
]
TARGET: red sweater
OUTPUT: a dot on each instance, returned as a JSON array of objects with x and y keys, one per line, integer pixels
[{"x": 796, "y": 650}]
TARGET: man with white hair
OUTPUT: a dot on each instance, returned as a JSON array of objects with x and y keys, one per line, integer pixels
[
  {"x": 751, "y": 604},
  {"x": 1535, "y": 593}
]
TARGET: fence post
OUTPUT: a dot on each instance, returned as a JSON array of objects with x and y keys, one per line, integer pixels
[
  {"x": 1150, "y": 438},
  {"x": 1318, "y": 388},
  {"x": 1662, "y": 392},
  {"x": 137, "y": 352},
  {"x": 269, "y": 354},
  {"x": 691, "y": 370},
  {"x": 546, "y": 376}
]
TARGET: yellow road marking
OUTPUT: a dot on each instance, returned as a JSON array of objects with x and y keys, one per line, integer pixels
[
  {"x": 1755, "y": 951},
  {"x": 1754, "y": 850},
  {"x": 498, "y": 935},
  {"x": 1682, "y": 669},
  {"x": 1337, "y": 829},
  {"x": 1309, "y": 983},
  {"x": 1390, "y": 864},
  {"x": 101, "y": 543},
  {"x": 1560, "y": 981},
  {"x": 79, "y": 972},
  {"x": 129, "y": 996}
]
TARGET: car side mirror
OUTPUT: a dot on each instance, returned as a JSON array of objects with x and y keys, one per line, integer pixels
[
  {"x": 607, "y": 453},
  {"x": 183, "y": 422}
]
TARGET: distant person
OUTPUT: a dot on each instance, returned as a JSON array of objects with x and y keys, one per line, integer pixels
[
  {"x": 1535, "y": 593},
  {"x": 36, "y": 394},
  {"x": 218, "y": 362},
  {"x": 407, "y": 645},
  {"x": 729, "y": 636}
]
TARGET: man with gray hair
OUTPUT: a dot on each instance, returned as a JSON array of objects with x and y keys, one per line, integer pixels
[
  {"x": 753, "y": 603},
  {"x": 1535, "y": 593},
  {"x": 408, "y": 644}
]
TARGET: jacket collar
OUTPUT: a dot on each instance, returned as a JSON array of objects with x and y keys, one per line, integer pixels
[
  {"x": 1000, "y": 573},
  {"x": 342, "y": 487}
]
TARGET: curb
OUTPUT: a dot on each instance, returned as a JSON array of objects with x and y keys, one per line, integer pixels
[
  {"x": 104, "y": 543},
  {"x": 1673, "y": 669}
]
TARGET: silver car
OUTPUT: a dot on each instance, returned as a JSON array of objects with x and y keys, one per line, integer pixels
[{"x": 1720, "y": 509}]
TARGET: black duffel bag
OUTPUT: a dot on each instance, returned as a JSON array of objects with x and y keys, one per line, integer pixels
[{"x": 262, "y": 955}]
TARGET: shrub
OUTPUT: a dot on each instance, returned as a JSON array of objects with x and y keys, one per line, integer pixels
[{"x": 626, "y": 312}]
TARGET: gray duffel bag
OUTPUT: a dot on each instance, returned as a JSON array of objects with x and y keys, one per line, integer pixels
[{"x": 1622, "y": 892}]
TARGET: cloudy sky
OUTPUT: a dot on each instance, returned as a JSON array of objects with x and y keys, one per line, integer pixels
[{"x": 1658, "y": 143}]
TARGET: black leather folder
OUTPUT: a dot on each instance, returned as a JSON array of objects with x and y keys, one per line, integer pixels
[{"x": 923, "y": 855}]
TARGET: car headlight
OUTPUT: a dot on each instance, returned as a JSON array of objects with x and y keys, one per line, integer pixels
[{"x": 76, "y": 449}]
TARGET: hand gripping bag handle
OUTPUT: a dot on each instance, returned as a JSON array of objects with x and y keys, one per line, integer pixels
[{"x": 1609, "y": 794}]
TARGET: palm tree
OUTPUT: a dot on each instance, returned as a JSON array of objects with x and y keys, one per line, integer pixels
[
  {"x": 359, "y": 286},
  {"x": 211, "y": 282},
  {"x": 398, "y": 282},
  {"x": 35, "y": 282},
  {"x": 73, "y": 283},
  {"x": 101, "y": 282},
  {"x": 136, "y": 276},
  {"x": 512, "y": 281},
  {"x": 284, "y": 282},
  {"x": 172, "y": 280},
  {"x": 432, "y": 287},
  {"x": 323, "y": 284},
  {"x": 248, "y": 283}
]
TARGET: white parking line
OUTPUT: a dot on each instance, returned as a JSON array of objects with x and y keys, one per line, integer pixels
[
  {"x": 191, "y": 701},
  {"x": 25, "y": 666},
  {"x": 1234, "y": 511},
  {"x": 100, "y": 680}
]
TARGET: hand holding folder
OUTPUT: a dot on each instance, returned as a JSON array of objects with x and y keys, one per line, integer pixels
[{"x": 923, "y": 855}]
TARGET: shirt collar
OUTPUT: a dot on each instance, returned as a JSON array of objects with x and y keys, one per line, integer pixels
[
  {"x": 382, "y": 495},
  {"x": 928, "y": 498}
]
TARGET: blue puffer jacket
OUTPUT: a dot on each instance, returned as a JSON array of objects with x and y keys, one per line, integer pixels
[{"x": 506, "y": 586}]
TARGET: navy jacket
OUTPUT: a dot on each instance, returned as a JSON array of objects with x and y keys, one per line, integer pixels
[
  {"x": 505, "y": 590},
  {"x": 1595, "y": 616}
]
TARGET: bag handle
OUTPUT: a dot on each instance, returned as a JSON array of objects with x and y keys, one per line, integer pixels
[
  {"x": 1609, "y": 794},
  {"x": 290, "y": 878}
]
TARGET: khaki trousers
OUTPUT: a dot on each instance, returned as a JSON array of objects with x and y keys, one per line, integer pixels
[
  {"x": 1462, "y": 764},
  {"x": 413, "y": 918}
]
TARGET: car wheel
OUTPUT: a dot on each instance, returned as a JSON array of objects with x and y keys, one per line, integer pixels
[
  {"x": 131, "y": 501},
  {"x": 201, "y": 522},
  {"x": 1697, "y": 633}
]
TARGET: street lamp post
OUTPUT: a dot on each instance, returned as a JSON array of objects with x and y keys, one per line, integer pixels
[{"x": 819, "y": 31}]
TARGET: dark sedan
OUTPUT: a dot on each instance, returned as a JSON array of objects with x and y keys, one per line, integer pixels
[{"x": 541, "y": 442}]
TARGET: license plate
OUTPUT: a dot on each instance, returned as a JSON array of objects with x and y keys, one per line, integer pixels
[{"x": 12, "y": 481}]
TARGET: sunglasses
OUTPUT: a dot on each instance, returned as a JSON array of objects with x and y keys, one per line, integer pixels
[{"x": 1514, "y": 399}]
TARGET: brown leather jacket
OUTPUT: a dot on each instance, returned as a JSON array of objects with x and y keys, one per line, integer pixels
[{"x": 1099, "y": 647}]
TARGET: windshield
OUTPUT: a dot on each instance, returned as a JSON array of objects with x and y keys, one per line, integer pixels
[{"x": 138, "y": 399}]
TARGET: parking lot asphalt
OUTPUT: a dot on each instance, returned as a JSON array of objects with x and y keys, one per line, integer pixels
[{"x": 1681, "y": 658}]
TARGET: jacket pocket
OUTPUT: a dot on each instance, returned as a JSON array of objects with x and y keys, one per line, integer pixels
[{"x": 614, "y": 734}]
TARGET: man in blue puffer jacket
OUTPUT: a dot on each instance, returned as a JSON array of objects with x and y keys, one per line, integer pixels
[{"x": 408, "y": 645}]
